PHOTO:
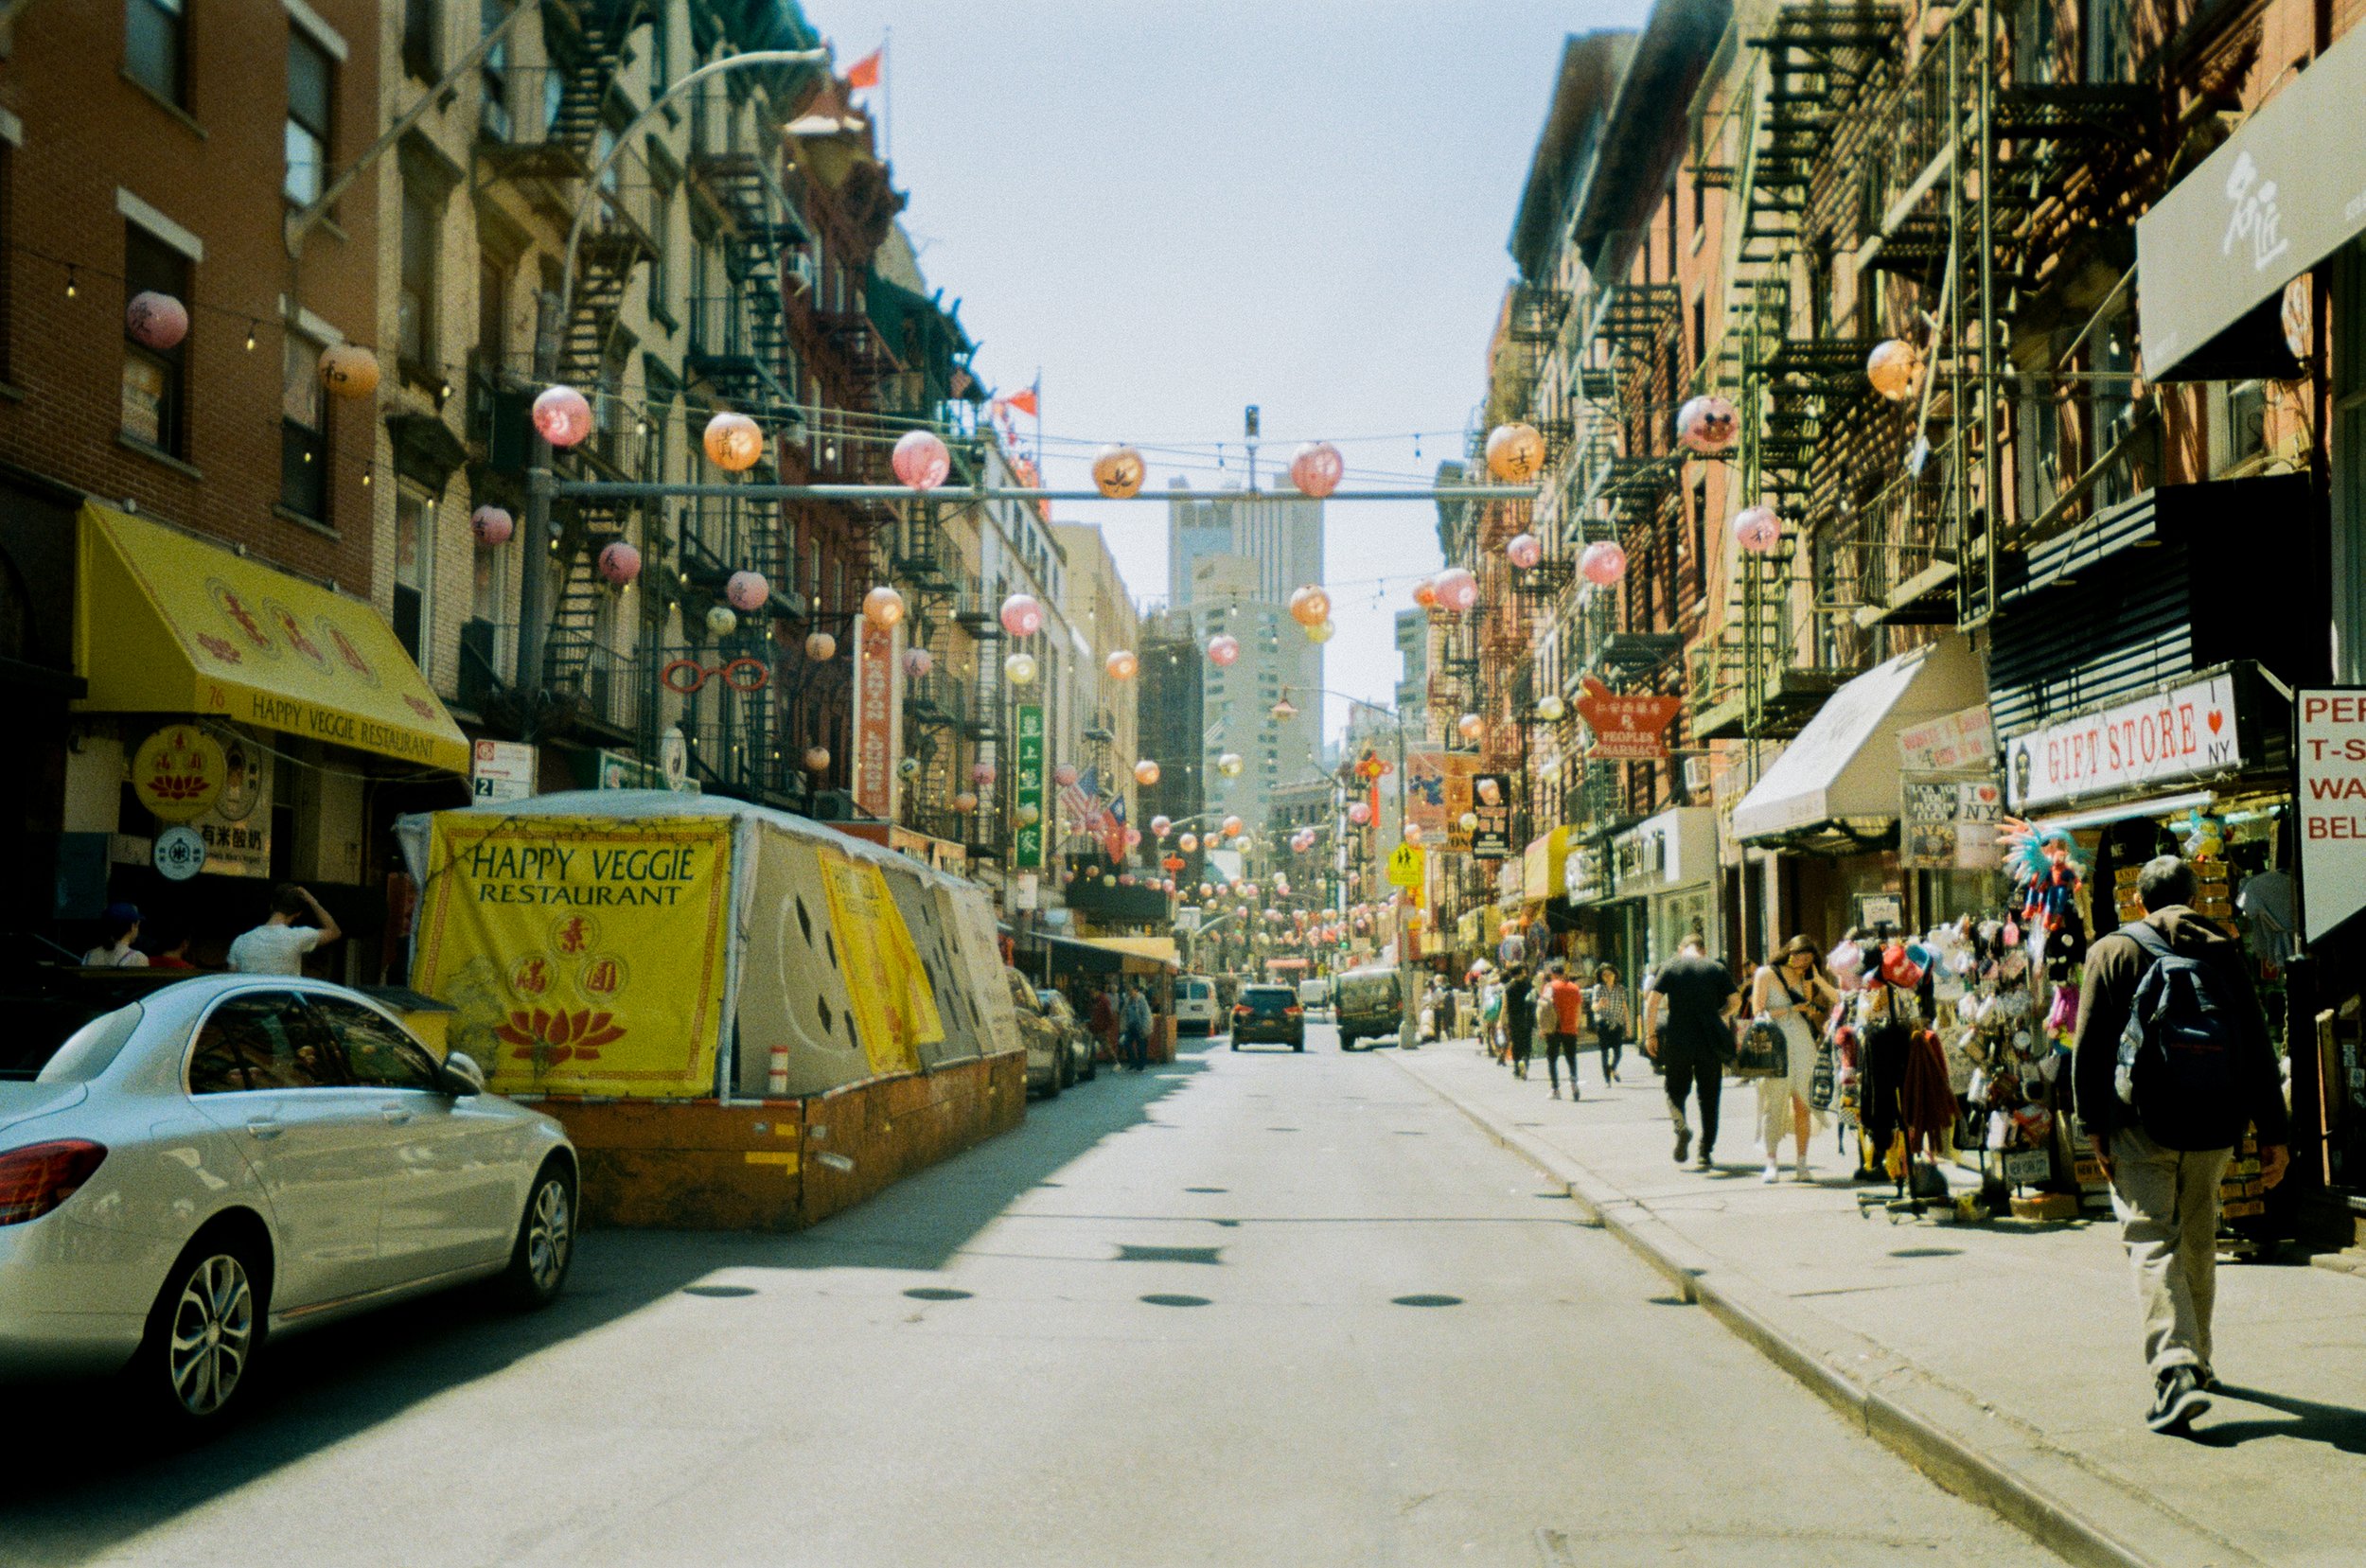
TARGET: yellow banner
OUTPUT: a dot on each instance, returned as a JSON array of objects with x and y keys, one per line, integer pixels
[
  {"x": 584, "y": 956},
  {"x": 896, "y": 1011}
]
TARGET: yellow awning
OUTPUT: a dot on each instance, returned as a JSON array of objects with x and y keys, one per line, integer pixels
[
  {"x": 1158, "y": 949},
  {"x": 167, "y": 623}
]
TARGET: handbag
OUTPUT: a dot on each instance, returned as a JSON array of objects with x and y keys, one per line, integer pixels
[
  {"x": 1762, "y": 1051},
  {"x": 1820, "y": 1081}
]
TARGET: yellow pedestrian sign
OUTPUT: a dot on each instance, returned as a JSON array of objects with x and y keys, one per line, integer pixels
[{"x": 1404, "y": 866}]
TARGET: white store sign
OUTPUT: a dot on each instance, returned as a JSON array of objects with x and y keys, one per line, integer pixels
[
  {"x": 2186, "y": 732},
  {"x": 501, "y": 770},
  {"x": 2331, "y": 742}
]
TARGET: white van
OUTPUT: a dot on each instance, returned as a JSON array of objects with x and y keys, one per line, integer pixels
[
  {"x": 1314, "y": 993},
  {"x": 1194, "y": 1005}
]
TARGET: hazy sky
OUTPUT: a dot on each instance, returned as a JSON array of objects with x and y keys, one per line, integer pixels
[{"x": 1174, "y": 210}]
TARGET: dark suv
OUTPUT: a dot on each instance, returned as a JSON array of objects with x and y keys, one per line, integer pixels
[{"x": 1269, "y": 1012}]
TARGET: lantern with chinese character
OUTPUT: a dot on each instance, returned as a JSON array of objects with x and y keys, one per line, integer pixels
[
  {"x": 816, "y": 758},
  {"x": 1515, "y": 454},
  {"x": 1022, "y": 615},
  {"x": 1133, "y": 838},
  {"x": 1522, "y": 550},
  {"x": 732, "y": 442},
  {"x": 1602, "y": 563},
  {"x": 619, "y": 563},
  {"x": 883, "y": 607},
  {"x": 920, "y": 460},
  {"x": 350, "y": 372},
  {"x": 748, "y": 591},
  {"x": 1145, "y": 772},
  {"x": 981, "y": 774},
  {"x": 1019, "y": 669},
  {"x": 720, "y": 620},
  {"x": 1118, "y": 472},
  {"x": 1222, "y": 649},
  {"x": 492, "y": 525},
  {"x": 1121, "y": 665},
  {"x": 156, "y": 321},
  {"x": 918, "y": 663},
  {"x": 1458, "y": 591},
  {"x": 1308, "y": 604},
  {"x": 1893, "y": 367},
  {"x": 820, "y": 646},
  {"x": 561, "y": 415},
  {"x": 1757, "y": 530},
  {"x": 908, "y": 769},
  {"x": 1707, "y": 426},
  {"x": 1316, "y": 467}
]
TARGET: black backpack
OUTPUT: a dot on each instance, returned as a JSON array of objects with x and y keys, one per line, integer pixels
[{"x": 2180, "y": 1056}]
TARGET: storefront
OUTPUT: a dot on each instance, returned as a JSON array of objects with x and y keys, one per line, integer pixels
[
  {"x": 271, "y": 730},
  {"x": 1543, "y": 907},
  {"x": 1820, "y": 828}
]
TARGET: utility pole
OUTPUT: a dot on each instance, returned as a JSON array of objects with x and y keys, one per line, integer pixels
[{"x": 1248, "y": 422}]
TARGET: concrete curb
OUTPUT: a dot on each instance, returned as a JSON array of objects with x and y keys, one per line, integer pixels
[{"x": 2083, "y": 1516}]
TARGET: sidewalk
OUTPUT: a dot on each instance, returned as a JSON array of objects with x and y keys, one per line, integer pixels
[{"x": 2005, "y": 1361}]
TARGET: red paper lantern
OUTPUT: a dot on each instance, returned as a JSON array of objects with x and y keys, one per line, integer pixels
[
  {"x": 1316, "y": 468},
  {"x": 920, "y": 460}
]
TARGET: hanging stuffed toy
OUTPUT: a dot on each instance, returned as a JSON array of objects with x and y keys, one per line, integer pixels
[{"x": 2047, "y": 869}]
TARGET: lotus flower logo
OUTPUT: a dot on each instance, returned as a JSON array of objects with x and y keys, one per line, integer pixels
[{"x": 548, "y": 1037}]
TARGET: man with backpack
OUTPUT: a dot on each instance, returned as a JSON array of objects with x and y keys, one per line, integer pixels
[{"x": 2172, "y": 1061}]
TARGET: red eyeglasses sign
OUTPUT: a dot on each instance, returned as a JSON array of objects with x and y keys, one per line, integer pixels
[{"x": 686, "y": 676}]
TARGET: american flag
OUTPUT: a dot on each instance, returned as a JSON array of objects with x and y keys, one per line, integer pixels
[{"x": 1080, "y": 801}]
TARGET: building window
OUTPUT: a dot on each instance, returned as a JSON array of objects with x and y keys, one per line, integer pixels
[
  {"x": 662, "y": 232},
  {"x": 2238, "y": 424},
  {"x": 415, "y": 303},
  {"x": 303, "y": 431},
  {"x": 155, "y": 47},
  {"x": 494, "y": 113},
  {"x": 155, "y": 382},
  {"x": 422, "y": 27},
  {"x": 308, "y": 72},
  {"x": 414, "y": 557}
]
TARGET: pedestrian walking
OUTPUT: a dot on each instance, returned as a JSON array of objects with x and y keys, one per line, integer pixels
[
  {"x": 1686, "y": 1028},
  {"x": 1607, "y": 1015},
  {"x": 1491, "y": 1027},
  {"x": 119, "y": 928},
  {"x": 1791, "y": 993},
  {"x": 169, "y": 946},
  {"x": 1134, "y": 1040},
  {"x": 278, "y": 946},
  {"x": 1104, "y": 1024},
  {"x": 1519, "y": 1018},
  {"x": 2171, "y": 1062},
  {"x": 1566, "y": 1000}
]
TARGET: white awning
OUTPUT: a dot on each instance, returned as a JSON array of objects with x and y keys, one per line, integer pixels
[{"x": 1844, "y": 768}]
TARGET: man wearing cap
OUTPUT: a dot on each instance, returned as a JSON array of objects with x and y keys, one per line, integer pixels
[{"x": 120, "y": 928}]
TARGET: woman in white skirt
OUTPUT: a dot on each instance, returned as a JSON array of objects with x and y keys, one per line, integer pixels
[{"x": 1792, "y": 994}]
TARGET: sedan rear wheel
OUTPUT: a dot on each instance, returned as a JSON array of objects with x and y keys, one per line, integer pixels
[
  {"x": 203, "y": 1333},
  {"x": 546, "y": 1239}
]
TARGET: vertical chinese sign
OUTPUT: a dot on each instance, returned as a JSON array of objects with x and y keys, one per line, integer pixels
[
  {"x": 875, "y": 721},
  {"x": 1027, "y": 843}
]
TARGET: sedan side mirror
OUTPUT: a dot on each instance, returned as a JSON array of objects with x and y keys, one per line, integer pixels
[{"x": 462, "y": 1076}]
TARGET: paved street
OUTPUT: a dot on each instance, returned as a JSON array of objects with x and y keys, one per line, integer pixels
[{"x": 1251, "y": 1308}]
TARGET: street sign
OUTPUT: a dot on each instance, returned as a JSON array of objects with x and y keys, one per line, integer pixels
[
  {"x": 1406, "y": 866},
  {"x": 501, "y": 770}
]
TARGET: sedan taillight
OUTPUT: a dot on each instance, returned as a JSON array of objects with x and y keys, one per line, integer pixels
[
  {"x": 40, "y": 1177},
  {"x": 1292, "y": 1012}
]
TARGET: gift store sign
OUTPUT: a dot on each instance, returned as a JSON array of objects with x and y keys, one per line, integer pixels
[{"x": 2186, "y": 731}]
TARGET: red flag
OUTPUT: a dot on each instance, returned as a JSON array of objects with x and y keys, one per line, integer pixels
[
  {"x": 865, "y": 72},
  {"x": 1023, "y": 400}
]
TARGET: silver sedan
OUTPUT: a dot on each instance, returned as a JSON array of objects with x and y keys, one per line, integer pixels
[{"x": 231, "y": 1156}]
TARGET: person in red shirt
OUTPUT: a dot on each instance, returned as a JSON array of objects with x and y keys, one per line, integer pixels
[
  {"x": 170, "y": 949},
  {"x": 1561, "y": 1042}
]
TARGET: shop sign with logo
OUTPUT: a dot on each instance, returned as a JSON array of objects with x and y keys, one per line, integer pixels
[
  {"x": 180, "y": 854},
  {"x": 1490, "y": 801},
  {"x": 1964, "y": 743},
  {"x": 1628, "y": 727},
  {"x": 235, "y": 829},
  {"x": 1948, "y": 824},
  {"x": 177, "y": 773},
  {"x": 501, "y": 770},
  {"x": 1457, "y": 771},
  {"x": 2186, "y": 732},
  {"x": 1584, "y": 878},
  {"x": 2330, "y": 742},
  {"x": 1026, "y": 843}
]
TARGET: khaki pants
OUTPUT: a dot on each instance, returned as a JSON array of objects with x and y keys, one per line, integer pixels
[{"x": 2167, "y": 1200}]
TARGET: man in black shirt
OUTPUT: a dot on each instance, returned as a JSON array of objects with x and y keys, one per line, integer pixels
[{"x": 1687, "y": 1009}]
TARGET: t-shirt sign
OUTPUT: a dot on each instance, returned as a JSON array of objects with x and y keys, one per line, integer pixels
[{"x": 2331, "y": 736}]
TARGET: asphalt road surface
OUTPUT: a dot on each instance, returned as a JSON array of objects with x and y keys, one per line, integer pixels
[{"x": 1251, "y": 1308}]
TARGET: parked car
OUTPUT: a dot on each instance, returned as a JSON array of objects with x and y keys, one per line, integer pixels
[
  {"x": 1084, "y": 1062},
  {"x": 1314, "y": 993},
  {"x": 1048, "y": 1069},
  {"x": 186, "y": 1175},
  {"x": 1268, "y": 1012},
  {"x": 1369, "y": 1003},
  {"x": 1195, "y": 1008}
]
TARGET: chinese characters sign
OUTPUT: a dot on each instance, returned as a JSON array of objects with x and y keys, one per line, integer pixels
[
  {"x": 1627, "y": 726},
  {"x": 875, "y": 721},
  {"x": 584, "y": 956},
  {"x": 236, "y": 827},
  {"x": 1027, "y": 845},
  {"x": 1490, "y": 801}
]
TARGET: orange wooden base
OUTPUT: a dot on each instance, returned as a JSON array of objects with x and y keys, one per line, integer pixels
[{"x": 781, "y": 1164}]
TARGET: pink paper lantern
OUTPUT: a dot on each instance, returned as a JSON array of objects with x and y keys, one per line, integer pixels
[
  {"x": 1757, "y": 530},
  {"x": 1602, "y": 564},
  {"x": 1159, "y": 826},
  {"x": 918, "y": 663},
  {"x": 1522, "y": 550},
  {"x": 920, "y": 460},
  {"x": 1022, "y": 615},
  {"x": 1064, "y": 775},
  {"x": 1145, "y": 772},
  {"x": 1458, "y": 590},
  {"x": 981, "y": 774},
  {"x": 1707, "y": 425},
  {"x": 1189, "y": 844},
  {"x": 883, "y": 607},
  {"x": 1360, "y": 813},
  {"x": 562, "y": 415},
  {"x": 1222, "y": 649},
  {"x": 619, "y": 563},
  {"x": 1133, "y": 838},
  {"x": 1316, "y": 467},
  {"x": 748, "y": 591},
  {"x": 156, "y": 321},
  {"x": 1232, "y": 826},
  {"x": 491, "y": 525}
]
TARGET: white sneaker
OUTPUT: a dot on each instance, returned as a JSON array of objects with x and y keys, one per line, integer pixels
[
  {"x": 1801, "y": 1172},
  {"x": 1772, "y": 1175}
]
